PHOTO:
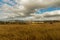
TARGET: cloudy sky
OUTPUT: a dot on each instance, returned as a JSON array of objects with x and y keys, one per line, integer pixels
[{"x": 29, "y": 9}]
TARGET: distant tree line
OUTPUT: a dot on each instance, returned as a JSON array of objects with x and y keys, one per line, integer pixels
[{"x": 27, "y": 22}]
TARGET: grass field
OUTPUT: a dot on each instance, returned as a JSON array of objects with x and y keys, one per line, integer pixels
[{"x": 43, "y": 31}]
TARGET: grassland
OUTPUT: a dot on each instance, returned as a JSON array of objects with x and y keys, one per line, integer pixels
[{"x": 43, "y": 31}]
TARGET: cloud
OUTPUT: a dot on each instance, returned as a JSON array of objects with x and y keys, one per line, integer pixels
[
  {"x": 26, "y": 7},
  {"x": 31, "y": 5},
  {"x": 52, "y": 15}
]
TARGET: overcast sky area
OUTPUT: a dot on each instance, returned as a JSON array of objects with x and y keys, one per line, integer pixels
[{"x": 30, "y": 9}]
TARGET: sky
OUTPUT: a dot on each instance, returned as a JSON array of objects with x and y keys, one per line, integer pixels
[
  {"x": 8, "y": 2},
  {"x": 2, "y": 2},
  {"x": 40, "y": 11},
  {"x": 27, "y": 7}
]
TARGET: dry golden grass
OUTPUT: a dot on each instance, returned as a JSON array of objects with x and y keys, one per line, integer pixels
[{"x": 44, "y": 31}]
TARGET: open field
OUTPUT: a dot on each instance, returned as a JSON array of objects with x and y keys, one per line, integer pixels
[{"x": 43, "y": 31}]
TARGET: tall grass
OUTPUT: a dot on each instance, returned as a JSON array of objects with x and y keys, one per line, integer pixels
[{"x": 44, "y": 31}]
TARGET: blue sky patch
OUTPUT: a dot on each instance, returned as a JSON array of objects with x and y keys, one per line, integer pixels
[
  {"x": 47, "y": 10},
  {"x": 10, "y": 2}
]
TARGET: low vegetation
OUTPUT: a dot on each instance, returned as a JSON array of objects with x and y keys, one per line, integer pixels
[{"x": 45, "y": 31}]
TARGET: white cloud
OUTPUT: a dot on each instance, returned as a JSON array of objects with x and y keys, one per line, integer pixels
[
  {"x": 27, "y": 7},
  {"x": 53, "y": 15},
  {"x": 31, "y": 5}
]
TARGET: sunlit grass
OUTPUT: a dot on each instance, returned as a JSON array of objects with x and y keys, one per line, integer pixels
[{"x": 45, "y": 31}]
